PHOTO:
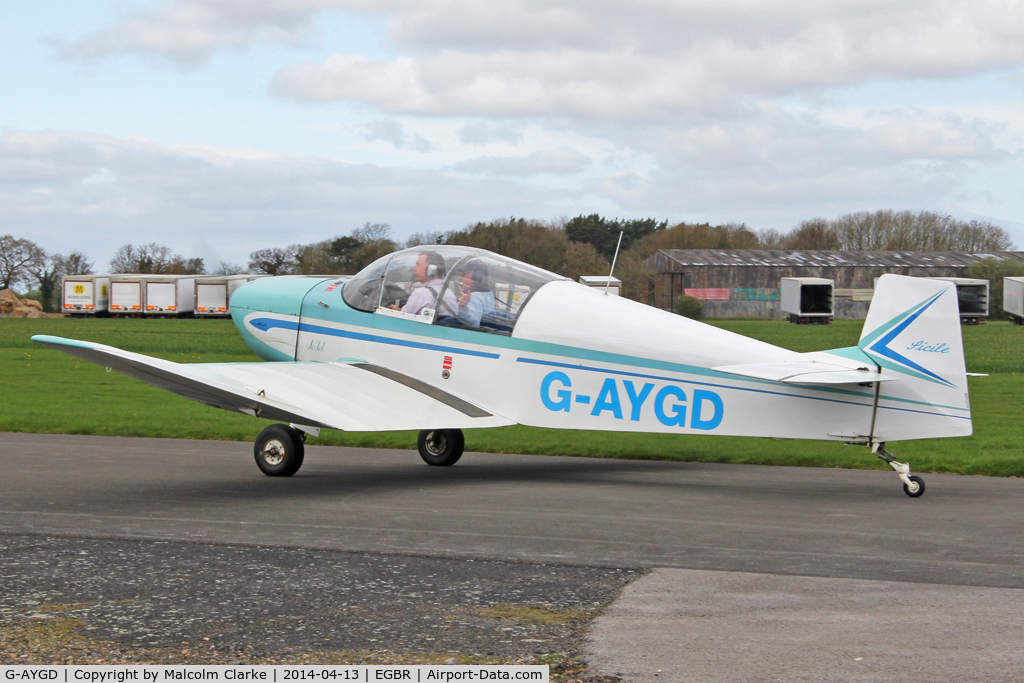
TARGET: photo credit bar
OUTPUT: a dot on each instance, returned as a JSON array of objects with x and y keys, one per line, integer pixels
[{"x": 365, "y": 673}]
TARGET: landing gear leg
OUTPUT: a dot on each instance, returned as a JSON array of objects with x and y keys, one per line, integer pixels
[{"x": 913, "y": 485}]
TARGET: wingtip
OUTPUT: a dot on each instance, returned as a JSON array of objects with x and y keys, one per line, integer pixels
[{"x": 60, "y": 341}]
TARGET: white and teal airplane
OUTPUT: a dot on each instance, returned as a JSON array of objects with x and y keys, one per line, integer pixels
[{"x": 442, "y": 339}]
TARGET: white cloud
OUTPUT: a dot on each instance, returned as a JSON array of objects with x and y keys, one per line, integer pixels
[
  {"x": 186, "y": 32},
  {"x": 394, "y": 132},
  {"x": 713, "y": 108},
  {"x": 587, "y": 58},
  {"x": 561, "y": 161},
  {"x": 483, "y": 132},
  {"x": 662, "y": 61},
  {"x": 176, "y": 195}
]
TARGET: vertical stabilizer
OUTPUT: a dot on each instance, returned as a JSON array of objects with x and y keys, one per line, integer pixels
[{"x": 912, "y": 332}]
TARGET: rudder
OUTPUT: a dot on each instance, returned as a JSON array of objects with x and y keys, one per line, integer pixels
[{"x": 912, "y": 331}]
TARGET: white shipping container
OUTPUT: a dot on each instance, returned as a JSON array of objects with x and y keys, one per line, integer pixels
[
  {"x": 211, "y": 298},
  {"x": 807, "y": 297},
  {"x": 1013, "y": 298},
  {"x": 213, "y": 294},
  {"x": 170, "y": 294},
  {"x": 603, "y": 282},
  {"x": 520, "y": 293},
  {"x": 85, "y": 294},
  {"x": 126, "y": 294},
  {"x": 972, "y": 295}
]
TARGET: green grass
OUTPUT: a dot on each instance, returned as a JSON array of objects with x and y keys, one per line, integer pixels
[{"x": 50, "y": 392}]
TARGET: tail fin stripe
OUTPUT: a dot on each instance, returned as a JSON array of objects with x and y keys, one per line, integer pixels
[
  {"x": 882, "y": 329},
  {"x": 881, "y": 347}
]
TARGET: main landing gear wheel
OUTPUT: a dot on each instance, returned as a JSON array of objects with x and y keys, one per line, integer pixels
[
  {"x": 279, "y": 451},
  {"x": 916, "y": 486},
  {"x": 441, "y": 447}
]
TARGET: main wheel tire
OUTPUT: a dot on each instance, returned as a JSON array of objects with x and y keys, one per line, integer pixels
[
  {"x": 920, "y": 487},
  {"x": 441, "y": 447},
  {"x": 279, "y": 451}
]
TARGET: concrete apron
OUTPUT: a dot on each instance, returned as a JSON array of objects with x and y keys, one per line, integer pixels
[{"x": 708, "y": 626}]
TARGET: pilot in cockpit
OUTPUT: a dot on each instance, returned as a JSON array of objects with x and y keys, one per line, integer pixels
[{"x": 428, "y": 275}]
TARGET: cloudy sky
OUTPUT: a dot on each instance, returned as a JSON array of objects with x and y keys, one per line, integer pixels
[{"x": 218, "y": 127}]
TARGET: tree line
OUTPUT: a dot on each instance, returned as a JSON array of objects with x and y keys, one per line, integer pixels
[{"x": 584, "y": 245}]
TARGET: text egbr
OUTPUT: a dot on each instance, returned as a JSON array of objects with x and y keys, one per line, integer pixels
[{"x": 669, "y": 403}]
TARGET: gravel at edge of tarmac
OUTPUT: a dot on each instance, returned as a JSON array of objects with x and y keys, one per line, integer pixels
[{"x": 74, "y": 600}]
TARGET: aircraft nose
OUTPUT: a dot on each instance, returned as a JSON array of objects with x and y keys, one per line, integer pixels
[
  {"x": 266, "y": 313},
  {"x": 282, "y": 295}
]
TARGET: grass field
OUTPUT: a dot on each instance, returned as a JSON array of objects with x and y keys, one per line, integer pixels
[{"x": 50, "y": 392}]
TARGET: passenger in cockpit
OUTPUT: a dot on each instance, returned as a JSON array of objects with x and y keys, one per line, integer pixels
[{"x": 476, "y": 300}]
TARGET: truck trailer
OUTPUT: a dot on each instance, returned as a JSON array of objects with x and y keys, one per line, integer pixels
[
  {"x": 972, "y": 294},
  {"x": 85, "y": 295},
  {"x": 167, "y": 295},
  {"x": 213, "y": 294},
  {"x": 1013, "y": 299},
  {"x": 808, "y": 300},
  {"x": 126, "y": 294}
]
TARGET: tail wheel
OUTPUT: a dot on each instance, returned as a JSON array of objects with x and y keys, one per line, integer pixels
[
  {"x": 441, "y": 447},
  {"x": 279, "y": 451},
  {"x": 916, "y": 486}
]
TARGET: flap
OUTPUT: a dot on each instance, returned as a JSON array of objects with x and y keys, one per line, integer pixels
[
  {"x": 350, "y": 396},
  {"x": 812, "y": 372}
]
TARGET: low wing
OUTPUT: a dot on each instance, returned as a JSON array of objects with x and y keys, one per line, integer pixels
[
  {"x": 807, "y": 373},
  {"x": 348, "y": 396}
]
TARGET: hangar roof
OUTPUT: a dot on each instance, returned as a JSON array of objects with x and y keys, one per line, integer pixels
[{"x": 833, "y": 259}]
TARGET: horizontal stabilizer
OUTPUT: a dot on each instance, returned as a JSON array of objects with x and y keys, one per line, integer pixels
[
  {"x": 806, "y": 373},
  {"x": 348, "y": 396}
]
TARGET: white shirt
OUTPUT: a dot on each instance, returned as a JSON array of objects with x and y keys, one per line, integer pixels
[{"x": 426, "y": 296}]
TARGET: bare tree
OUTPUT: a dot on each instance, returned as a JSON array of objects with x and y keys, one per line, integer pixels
[
  {"x": 50, "y": 270},
  {"x": 18, "y": 258},
  {"x": 315, "y": 259},
  {"x": 372, "y": 232},
  {"x": 771, "y": 238},
  {"x": 75, "y": 263},
  {"x": 275, "y": 261},
  {"x": 816, "y": 233},
  {"x": 889, "y": 230},
  {"x": 225, "y": 268},
  {"x": 420, "y": 238},
  {"x": 145, "y": 258}
]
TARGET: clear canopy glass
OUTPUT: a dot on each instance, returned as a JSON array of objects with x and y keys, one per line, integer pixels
[{"x": 466, "y": 287}]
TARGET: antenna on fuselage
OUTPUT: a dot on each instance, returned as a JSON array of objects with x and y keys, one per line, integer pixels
[{"x": 614, "y": 259}]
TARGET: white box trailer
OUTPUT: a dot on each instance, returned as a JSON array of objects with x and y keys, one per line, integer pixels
[
  {"x": 213, "y": 293},
  {"x": 85, "y": 294},
  {"x": 603, "y": 282},
  {"x": 1013, "y": 299},
  {"x": 169, "y": 294},
  {"x": 808, "y": 300},
  {"x": 972, "y": 295},
  {"x": 126, "y": 294}
]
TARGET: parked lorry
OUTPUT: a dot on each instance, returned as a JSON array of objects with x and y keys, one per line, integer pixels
[
  {"x": 213, "y": 294},
  {"x": 126, "y": 294},
  {"x": 1013, "y": 299},
  {"x": 85, "y": 295},
  {"x": 166, "y": 295}
]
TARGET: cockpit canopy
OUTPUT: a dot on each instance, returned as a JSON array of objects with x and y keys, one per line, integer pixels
[{"x": 448, "y": 285}]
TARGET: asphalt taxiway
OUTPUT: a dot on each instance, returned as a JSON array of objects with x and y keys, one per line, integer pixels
[{"x": 741, "y": 554}]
